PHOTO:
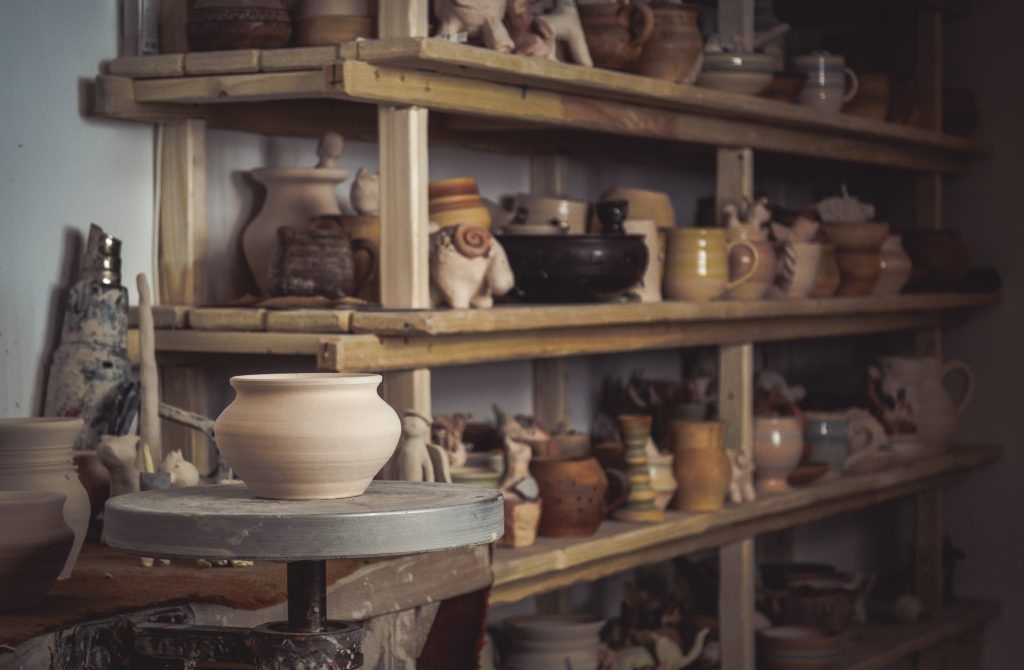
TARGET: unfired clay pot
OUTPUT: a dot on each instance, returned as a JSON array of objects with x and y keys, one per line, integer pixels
[
  {"x": 702, "y": 467},
  {"x": 307, "y": 436},
  {"x": 778, "y": 446},
  {"x": 573, "y": 495},
  {"x": 34, "y": 546},
  {"x": 35, "y": 455}
]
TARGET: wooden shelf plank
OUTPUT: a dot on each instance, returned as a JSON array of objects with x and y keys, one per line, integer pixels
[
  {"x": 877, "y": 647},
  {"x": 554, "y": 563}
]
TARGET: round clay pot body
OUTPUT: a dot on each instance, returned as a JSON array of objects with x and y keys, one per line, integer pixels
[
  {"x": 616, "y": 33},
  {"x": 35, "y": 455},
  {"x": 674, "y": 47},
  {"x": 553, "y": 642},
  {"x": 572, "y": 492},
  {"x": 662, "y": 479},
  {"x": 701, "y": 467},
  {"x": 895, "y": 267},
  {"x": 295, "y": 196},
  {"x": 858, "y": 271},
  {"x": 828, "y": 280},
  {"x": 94, "y": 477},
  {"x": 934, "y": 410},
  {"x": 34, "y": 546},
  {"x": 741, "y": 261},
  {"x": 220, "y": 25},
  {"x": 778, "y": 446},
  {"x": 307, "y": 436}
]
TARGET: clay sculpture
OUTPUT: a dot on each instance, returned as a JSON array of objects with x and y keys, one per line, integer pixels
[
  {"x": 531, "y": 37},
  {"x": 468, "y": 267},
  {"x": 564, "y": 22},
  {"x": 479, "y": 19}
]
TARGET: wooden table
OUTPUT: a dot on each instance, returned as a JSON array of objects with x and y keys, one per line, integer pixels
[{"x": 391, "y": 518}]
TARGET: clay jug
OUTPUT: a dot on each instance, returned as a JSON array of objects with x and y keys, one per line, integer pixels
[
  {"x": 34, "y": 546},
  {"x": 935, "y": 412},
  {"x": 895, "y": 267},
  {"x": 35, "y": 455},
  {"x": 616, "y": 32},
  {"x": 702, "y": 467},
  {"x": 573, "y": 495},
  {"x": 221, "y": 25},
  {"x": 307, "y": 436},
  {"x": 742, "y": 262},
  {"x": 674, "y": 49}
]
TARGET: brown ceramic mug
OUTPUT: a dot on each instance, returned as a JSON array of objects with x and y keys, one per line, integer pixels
[
  {"x": 573, "y": 493},
  {"x": 616, "y": 32}
]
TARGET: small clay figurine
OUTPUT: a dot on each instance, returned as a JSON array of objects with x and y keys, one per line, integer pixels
[
  {"x": 531, "y": 37},
  {"x": 517, "y": 463},
  {"x": 446, "y": 431},
  {"x": 412, "y": 458},
  {"x": 479, "y": 19},
  {"x": 365, "y": 194},
  {"x": 564, "y": 21},
  {"x": 468, "y": 267},
  {"x": 181, "y": 471},
  {"x": 773, "y": 396},
  {"x": 748, "y": 224},
  {"x": 121, "y": 456},
  {"x": 329, "y": 150},
  {"x": 741, "y": 488},
  {"x": 522, "y": 428}
]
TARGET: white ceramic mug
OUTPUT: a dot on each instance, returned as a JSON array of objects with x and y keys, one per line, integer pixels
[{"x": 829, "y": 84}]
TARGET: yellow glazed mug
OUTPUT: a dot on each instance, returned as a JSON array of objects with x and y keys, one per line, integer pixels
[{"x": 697, "y": 264}]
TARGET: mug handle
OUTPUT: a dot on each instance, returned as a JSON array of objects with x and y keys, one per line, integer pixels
[
  {"x": 854, "y": 85},
  {"x": 745, "y": 277},
  {"x": 640, "y": 21},
  {"x": 623, "y": 485},
  {"x": 368, "y": 247},
  {"x": 962, "y": 368}
]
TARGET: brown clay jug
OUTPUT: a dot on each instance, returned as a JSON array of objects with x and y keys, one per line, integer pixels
[
  {"x": 701, "y": 465},
  {"x": 219, "y": 25},
  {"x": 675, "y": 45},
  {"x": 616, "y": 32},
  {"x": 573, "y": 495}
]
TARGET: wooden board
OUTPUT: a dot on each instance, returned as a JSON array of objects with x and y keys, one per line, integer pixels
[
  {"x": 309, "y": 320},
  {"x": 228, "y": 318},
  {"x": 555, "y": 563},
  {"x": 227, "y": 62},
  {"x": 148, "y": 67}
]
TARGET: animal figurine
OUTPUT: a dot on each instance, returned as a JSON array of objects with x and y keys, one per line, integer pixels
[
  {"x": 531, "y": 37},
  {"x": 412, "y": 462},
  {"x": 773, "y": 396},
  {"x": 750, "y": 224},
  {"x": 365, "y": 194},
  {"x": 479, "y": 19},
  {"x": 468, "y": 267},
  {"x": 564, "y": 22},
  {"x": 517, "y": 463},
  {"x": 522, "y": 428},
  {"x": 741, "y": 487},
  {"x": 181, "y": 471},
  {"x": 125, "y": 460},
  {"x": 446, "y": 431}
]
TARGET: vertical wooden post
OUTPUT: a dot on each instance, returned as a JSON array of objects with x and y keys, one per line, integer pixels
[
  {"x": 405, "y": 279},
  {"x": 181, "y": 263}
]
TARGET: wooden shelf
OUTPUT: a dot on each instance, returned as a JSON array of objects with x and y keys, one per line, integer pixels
[
  {"x": 498, "y": 92},
  {"x": 375, "y": 339},
  {"x": 878, "y": 647},
  {"x": 555, "y": 563}
]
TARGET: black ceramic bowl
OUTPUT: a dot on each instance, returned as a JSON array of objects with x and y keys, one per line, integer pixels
[{"x": 575, "y": 268}]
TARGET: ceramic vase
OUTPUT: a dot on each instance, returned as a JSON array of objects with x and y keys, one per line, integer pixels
[
  {"x": 34, "y": 546},
  {"x": 858, "y": 254},
  {"x": 35, "y": 455},
  {"x": 329, "y": 22},
  {"x": 934, "y": 410},
  {"x": 742, "y": 262},
  {"x": 573, "y": 495},
  {"x": 697, "y": 266},
  {"x": 221, "y": 25},
  {"x": 649, "y": 289},
  {"x": 640, "y": 505},
  {"x": 553, "y": 642},
  {"x": 895, "y": 267},
  {"x": 827, "y": 283},
  {"x": 675, "y": 46},
  {"x": 307, "y": 436},
  {"x": 662, "y": 479},
  {"x": 295, "y": 196},
  {"x": 616, "y": 32},
  {"x": 701, "y": 466},
  {"x": 778, "y": 446}
]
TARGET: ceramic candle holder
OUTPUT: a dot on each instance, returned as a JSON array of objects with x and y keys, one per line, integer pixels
[{"x": 778, "y": 446}]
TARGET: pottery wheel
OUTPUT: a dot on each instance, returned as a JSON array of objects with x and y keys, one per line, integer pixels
[{"x": 228, "y": 522}]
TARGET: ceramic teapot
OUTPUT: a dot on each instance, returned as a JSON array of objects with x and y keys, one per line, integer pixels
[{"x": 573, "y": 492}]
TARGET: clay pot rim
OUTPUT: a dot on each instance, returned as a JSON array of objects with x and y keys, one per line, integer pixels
[
  {"x": 312, "y": 379},
  {"x": 19, "y": 498}
]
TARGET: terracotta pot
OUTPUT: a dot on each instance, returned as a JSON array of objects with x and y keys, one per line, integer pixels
[
  {"x": 307, "y": 436},
  {"x": 895, "y": 267},
  {"x": 457, "y": 201},
  {"x": 34, "y": 546},
  {"x": 778, "y": 446},
  {"x": 643, "y": 204},
  {"x": 828, "y": 279},
  {"x": 872, "y": 100},
  {"x": 662, "y": 479},
  {"x": 94, "y": 477},
  {"x": 701, "y": 466},
  {"x": 858, "y": 271},
  {"x": 573, "y": 493},
  {"x": 935, "y": 411},
  {"x": 616, "y": 33},
  {"x": 742, "y": 262},
  {"x": 221, "y": 25},
  {"x": 675, "y": 45},
  {"x": 35, "y": 455},
  {"x": 696, "y": 264},
  {"x": 939, "y": 258}
]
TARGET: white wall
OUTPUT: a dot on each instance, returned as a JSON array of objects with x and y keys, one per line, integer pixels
[{"x": 58, "y": 172}]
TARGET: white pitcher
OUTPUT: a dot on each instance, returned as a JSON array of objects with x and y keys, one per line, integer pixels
[{"x": 934, "y": 410}]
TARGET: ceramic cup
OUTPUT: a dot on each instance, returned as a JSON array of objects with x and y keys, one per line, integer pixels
[
  {"x": 829, "y": 82},
  {"x": 697, "y": 264},
  {"x": 831, "y": 437},
  {"x": 543, "y": 215},
  {"x": 778, "y": 446},
  {"x": 649, "y": 289},
  {"x": 797, "y": 270},
  {"x": 827, "y": 282}
]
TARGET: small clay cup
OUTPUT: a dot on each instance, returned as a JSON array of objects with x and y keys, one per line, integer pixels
[{"x": 573, "y": 495}]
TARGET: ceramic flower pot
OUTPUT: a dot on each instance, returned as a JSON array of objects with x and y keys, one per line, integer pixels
[
  {"x": 895, "y": 267},
  {"x": 219, "y": 25},
  {"x": 307, "y": 436},
  {"x": 701, "y": 466},
  {"x": 35, "y": 455},
  {"x": 34, "y": 546},
  {"x": 675, "y": 45},
  {"x": 778, "y": 446},
  {"x": 640, "y": 504},
  {"x": 573, "y": 496}
]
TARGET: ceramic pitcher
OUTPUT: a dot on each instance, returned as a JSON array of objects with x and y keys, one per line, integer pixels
[
  {"x": 674, "y": 50},
  {"x": 741, "y": 261},
  {"x": 33, "y": 546},
  {"x": 616, "y": 32},
  {"x": 702, "y": 467},
  {"x": 934, "y": 411},
  {"x": 829, "y": 82},
  {"x": 697, "y": 264}
]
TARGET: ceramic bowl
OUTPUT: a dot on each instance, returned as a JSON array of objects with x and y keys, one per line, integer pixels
[
  {"x": 575, "y": 268},
  {"x": 553, "y": 642},
  {"x": 749, "y": 74},
  {"x": 867, "y": 236},
  {"x": 483, "y": 476},
  {"x": 797, "y": 648}
]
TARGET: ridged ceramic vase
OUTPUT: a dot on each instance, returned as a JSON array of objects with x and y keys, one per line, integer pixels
[
  {"x": 640, "y": 505},
  {"x": 34, "y": 546},
  {"x": 308, "y": 436},
  {"x": 35, "y": 455}
]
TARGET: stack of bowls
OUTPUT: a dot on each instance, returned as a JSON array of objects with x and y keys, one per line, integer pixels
[
  {"x": 453, "y": 202},
  {"x": 859, "y": 254},
  {"x": 553, "y": 642},
  {"x": 749, "y": 74},
  {"x": 797, "y": 648}
]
